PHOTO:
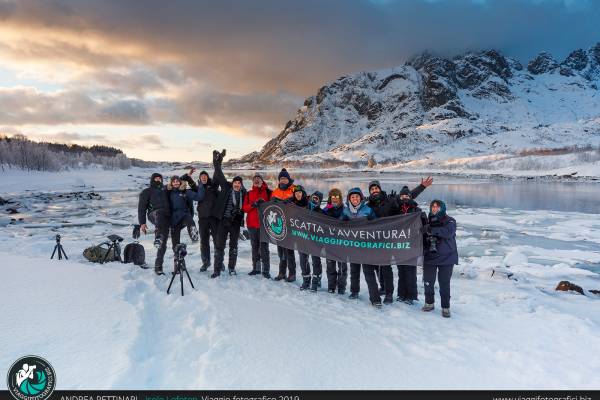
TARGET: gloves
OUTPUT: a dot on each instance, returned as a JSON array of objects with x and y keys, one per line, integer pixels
[
  {"x": 136, "y": 232},
  {"x": 257, "y": 203},
  {"x": 218, "y": 157}
]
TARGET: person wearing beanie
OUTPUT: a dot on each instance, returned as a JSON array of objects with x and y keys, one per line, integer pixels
[
  {"x": 260, "y": 250},
  {"x": 407, "y": 274},
  {"x": 441, "y": 255},
  {"x": 153, "y": 202},
  {"x": 301, "y": 199},
  {"x": 230, "y": 213},
  {"x": 287, "y": 261},
  {"x": 337, "y": 272},
  {"x": 314, "y": 205},
  {"x": 207, "y": 223},
  {"x": 385, "y": 205},
  {"x": 357, "y": 207},
  {"x": 181, "y": 202}
]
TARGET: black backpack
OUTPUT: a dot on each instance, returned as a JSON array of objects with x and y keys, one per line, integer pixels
[{"x": 135, "y": 253}]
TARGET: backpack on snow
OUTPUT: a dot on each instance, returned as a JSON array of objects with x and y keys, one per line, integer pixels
[
  {"x": 135, "y": 253},
  {"x": 99, "y": 253}
]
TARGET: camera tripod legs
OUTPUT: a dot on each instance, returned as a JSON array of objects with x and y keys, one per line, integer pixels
[
  {"x": 180, "y": 280},
  {"x": 61, "y": 252}
]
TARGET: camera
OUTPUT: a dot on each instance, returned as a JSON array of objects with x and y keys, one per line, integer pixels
[
  {"x": 115, "y": 238},
  {"x": 236, "y": 215},
  {"x": 57, "y": 238},
  {"x": 180, "y": 251},
  {"x": 432, "y": 243}
]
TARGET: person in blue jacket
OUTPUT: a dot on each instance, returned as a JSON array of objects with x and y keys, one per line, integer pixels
[
  {"x": 441, "y": 255},
  {"x": 181, "y": 204},
  {"x": 357, "y": 207}
]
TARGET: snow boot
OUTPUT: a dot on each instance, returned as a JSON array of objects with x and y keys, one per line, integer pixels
[
  {"x": 253, "y": 272},
  {"x": 410, "y": 302},
  {"x": 341, "y": 290},
  {"x": 279, "y": 277},
  {"x": 353, "y": 295},
  {"x": 399, "y": 298},
  {"x": 232, "y": 271},
  {"x": 427, "y": 307},
  {"x": 446, "y": 312},
  {"x": 158, "y": 271},
  {"x": 157, "y": 243},
  {"x": 331, "y": 290},
  {"x": 305, "y": 282},
  {"x": 376, "y": 303},
  {"x": 316, "y": 282},
  {"x": 291, "y": 278},
  {"x": 266, "y": 275},
  {"x": 204, "y": 267},
  {"x": 389, "y": 299},
  {"x": 216, "y": 274}
]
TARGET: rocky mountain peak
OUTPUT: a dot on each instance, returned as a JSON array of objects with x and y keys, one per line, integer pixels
[{"x": 542, "y": 63}]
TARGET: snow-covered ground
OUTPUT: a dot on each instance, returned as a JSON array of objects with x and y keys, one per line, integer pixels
[{"x": 114, "y": 326}]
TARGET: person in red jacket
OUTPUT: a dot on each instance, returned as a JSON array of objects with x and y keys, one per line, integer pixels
[{"x": 260, "y": 250}]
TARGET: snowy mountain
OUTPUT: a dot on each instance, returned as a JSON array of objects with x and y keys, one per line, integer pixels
[{"x": 440, "y": 109}]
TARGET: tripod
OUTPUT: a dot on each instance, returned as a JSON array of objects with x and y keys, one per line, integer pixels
[
  {"x": 60, "y": 249},
  {"x": 179, "y": 270},
  {"x": 114, "y": 246}
]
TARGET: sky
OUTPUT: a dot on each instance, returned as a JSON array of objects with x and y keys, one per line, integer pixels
[{"x": 173, "y": 80}]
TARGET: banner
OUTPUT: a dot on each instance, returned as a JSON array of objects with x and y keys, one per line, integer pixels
[{"x": 395, "y": 240}]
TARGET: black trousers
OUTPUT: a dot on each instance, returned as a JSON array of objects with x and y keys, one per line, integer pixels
[
  {"x": 161, "y": 221},
  {"x": 337, "y": 274},
  {"x": 260, "y": 251},
  {"x": 287, "y": 261},
  {"x": 227, "y": 229},
  {"x": 207, "y": 228},
  {"x": 305, "y": 266},
  {"x": 186, "y": 222},
  {"x": 369, "y": 271},
  {"x": 407, "y": 282},
  {"x": 386, "y": 279},
  {"x": 354, "y": 278},
  {"x": 444, "y": 273}
]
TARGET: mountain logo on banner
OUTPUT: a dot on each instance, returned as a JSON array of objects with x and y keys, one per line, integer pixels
[{"x": 274, "y": 221}]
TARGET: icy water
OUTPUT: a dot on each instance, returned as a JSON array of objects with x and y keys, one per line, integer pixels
[{"x": 475, "y": 192}]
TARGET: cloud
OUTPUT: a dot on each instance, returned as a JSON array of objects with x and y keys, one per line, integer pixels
[{"x": 245, "y": 66}]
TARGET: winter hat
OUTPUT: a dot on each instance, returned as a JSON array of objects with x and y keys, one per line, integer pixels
[
  {"x": 442, "y": 205},
  {"x": 334, "y": 192},
  {"x": 299, "y": 188},
  {"x": 257, "y": 175},
  {"x": 284, "y": 174},
  {"x": 374, "y": 183},
  {"x": 355, "y": 191},
  {"x": 155, "y": 175},
  {"x": 319, "y": 195},
  {"x": 204, "y": 173},
  {"x": 175, "y": 178},
  {"x": 405, "y": 191},
  {"x": 237, "y": 178}
]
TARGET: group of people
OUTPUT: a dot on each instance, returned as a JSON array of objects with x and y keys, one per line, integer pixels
[{"x": 224, "y": 206}]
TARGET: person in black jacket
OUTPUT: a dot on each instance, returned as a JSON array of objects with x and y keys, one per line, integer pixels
[
  {"x": 300, "y": 199},
  {"x": 228, "y": 209},
  {"x": 207, "y": 223},
  {"x": 386, "y": 205},
  {"x": 337, "y": 272},
  {"x": 181, "y": 201},
  {"x": 154, "y": 201},
  {"x": 314, "y": 205},
  {"x": 441, "y": 255},
  {"x": 407, "y": 274}
]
